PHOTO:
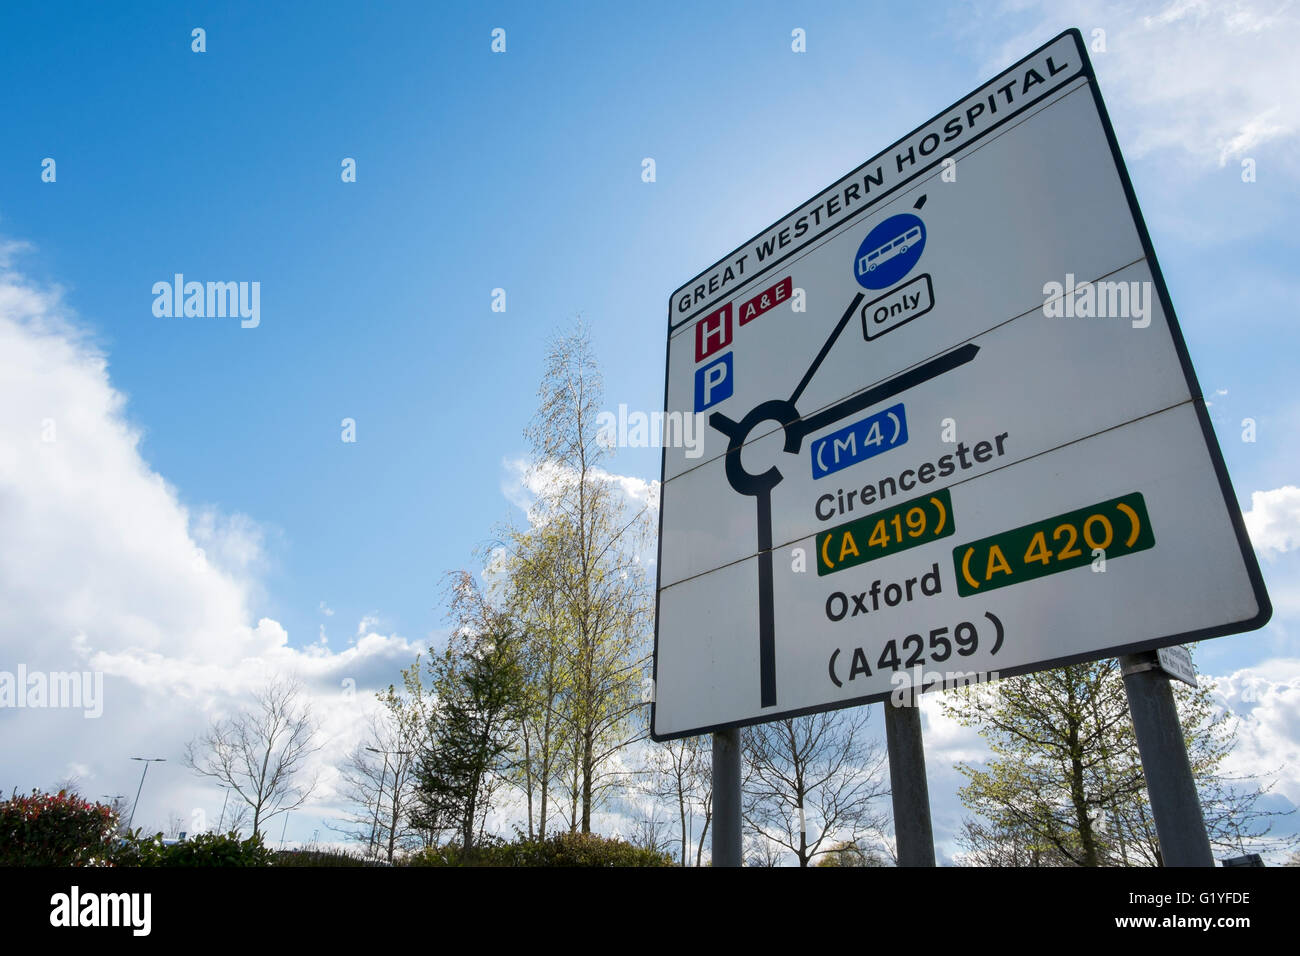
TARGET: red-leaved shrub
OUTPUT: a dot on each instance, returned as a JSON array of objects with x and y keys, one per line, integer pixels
[{"x": 48, "y": 829}]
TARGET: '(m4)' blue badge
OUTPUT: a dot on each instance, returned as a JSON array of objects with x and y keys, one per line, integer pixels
[{"x": 872, "y": 436}]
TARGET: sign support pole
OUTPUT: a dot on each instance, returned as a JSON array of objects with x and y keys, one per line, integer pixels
[
  {"x": 911, "y": 794},
  {"x": 1174, "y": 801},
  {"x": 726, "y": 798}
]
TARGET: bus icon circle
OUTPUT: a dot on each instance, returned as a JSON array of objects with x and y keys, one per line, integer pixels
[{"x": 890, "y": 251}]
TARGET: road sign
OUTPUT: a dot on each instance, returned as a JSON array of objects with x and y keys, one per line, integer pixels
[{"x": 950, "y": 429}]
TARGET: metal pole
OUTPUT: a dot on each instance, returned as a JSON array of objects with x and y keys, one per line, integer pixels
[
  {"x": 726, "y": 798},
  {"x": 146, "y": 761},
  {"x": 911, "y": 794},
  {"x": 1174, "y": 801},
  {"x": 223, "y": 809},
  {"x": 131, "y": 819}
]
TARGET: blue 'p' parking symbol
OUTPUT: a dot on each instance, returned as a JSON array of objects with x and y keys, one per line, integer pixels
[
  {"x": 889, "y": 251},
  {"x": 713, "y": 383}
]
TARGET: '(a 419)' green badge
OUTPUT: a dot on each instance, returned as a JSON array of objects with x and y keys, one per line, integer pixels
[{"x": 895, "y": 529}]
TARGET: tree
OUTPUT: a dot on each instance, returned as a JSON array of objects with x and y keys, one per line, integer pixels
[
  {"x": 380, "y": 774},
  {"x": 1064, "y": 785},
  {"x": 235, "y": 820},
  {"x": 650, "y": 833},
  {"x": 1051, "y": 734},
  {"x": 526, "y": 571},
  {"x": 761, "y": 852},
  {"x": 261, "y": 753},
  {"x": 849, "y": 853},
  {"x": 175, "y": 825},
  {"x": 120, "y": 807},
  {"x": 594, "y": 537},
  {"x": 474, "y": 721},
  {"x": 998, "y": 844},
  {"x": 681, "y": 772},
  {"x": 817, "y": 774},
  {"x": 70, "y": 784}
]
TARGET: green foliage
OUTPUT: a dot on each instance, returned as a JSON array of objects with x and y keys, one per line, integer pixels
[
  {"x": 202, "y": 850},
  {"x": 473, "y": 727},
  {"x": 581, "y": 580},
  {"x": 849, "y": 853},
  {"x": 1063, "y": 765},
  {"x": 64, "y": 830},
  {"x": 61, "y": 829},
  {"x": 1064, "y": 784},
  {"x": 561, "y": 849}
]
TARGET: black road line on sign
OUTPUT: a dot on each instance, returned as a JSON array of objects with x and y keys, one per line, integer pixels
[
  {"x": 778, "y": 410},
  {"x": 816, "y": 364},
  {"x": 760, "y": 486},
  {"x": 766, "y": 608},
  {"x": 887, "y": 389}
]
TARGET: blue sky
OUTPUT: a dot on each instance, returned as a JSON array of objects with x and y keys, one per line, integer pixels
[
  {"x": 522, "y": 171},
  {"x": 518, "y": 171}
]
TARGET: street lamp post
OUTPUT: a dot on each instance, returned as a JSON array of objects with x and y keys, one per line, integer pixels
[
  {"x": 222, "y": 818},
  {"x": 146, "y": 761}
]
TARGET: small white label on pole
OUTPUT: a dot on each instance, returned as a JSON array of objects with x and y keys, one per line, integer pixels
[{"x": 1176, "y": 661}]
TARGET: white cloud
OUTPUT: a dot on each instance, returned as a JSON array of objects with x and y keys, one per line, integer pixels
[
  {"x": 1266, "y": 698},
  {"x": 522, "y": 483},
  {"x": 1274, "y": 520},
  {"x": 103, "y": 567},
  {"x": 1202, "y": 81}
]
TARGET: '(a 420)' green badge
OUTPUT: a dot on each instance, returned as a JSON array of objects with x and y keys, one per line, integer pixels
[{"x": 1110, "y": 529}]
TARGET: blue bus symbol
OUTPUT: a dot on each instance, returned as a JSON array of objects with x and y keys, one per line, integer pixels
[{"x": 889, "y": 251}]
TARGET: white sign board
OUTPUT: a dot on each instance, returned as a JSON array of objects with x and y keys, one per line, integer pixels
[{"x": 950, "y": 430}]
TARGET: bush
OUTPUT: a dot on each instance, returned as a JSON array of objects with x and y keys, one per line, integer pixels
[
  {"x": 60, "y": 829},
  {"x": 321, "y": 856},
  {"x": 204, "y": 849},
  {"x": 218, "y": 849},
  {"x": 562, "y": 849}
]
